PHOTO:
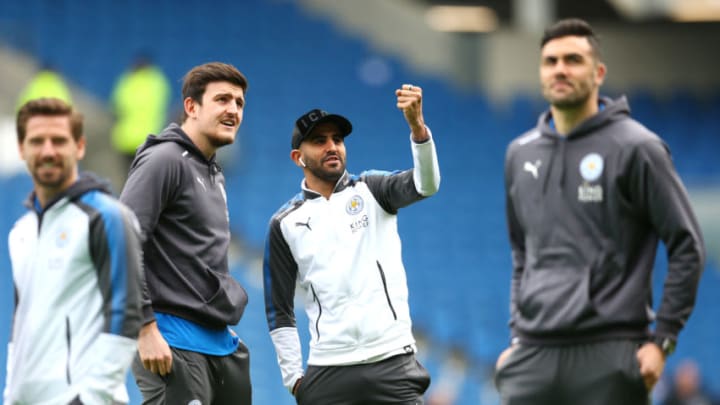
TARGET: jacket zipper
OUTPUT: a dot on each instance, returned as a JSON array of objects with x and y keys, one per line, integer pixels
[
  {"x": 69, "y": 347},
  {"x": 317, "y": 321},
  {"x": 387, "y": 294}
]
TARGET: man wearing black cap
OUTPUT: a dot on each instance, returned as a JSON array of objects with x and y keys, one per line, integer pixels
[{"x": 339, "y": 240}]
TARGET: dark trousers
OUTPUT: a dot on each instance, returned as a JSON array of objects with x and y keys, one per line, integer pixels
[
  {"x": 211, "y": 380},
  {"x": 397, "y": 380},
  {"x": 600, "y": 373}
]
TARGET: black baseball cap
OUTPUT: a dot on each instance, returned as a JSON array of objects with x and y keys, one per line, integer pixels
[{"x": 308, "y": 121}]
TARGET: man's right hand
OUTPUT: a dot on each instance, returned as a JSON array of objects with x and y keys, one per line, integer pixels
[
  {"x": 154, "y": 351},
  {"x": 504, "y": 355},
  {"x": 296, "y": 386}
]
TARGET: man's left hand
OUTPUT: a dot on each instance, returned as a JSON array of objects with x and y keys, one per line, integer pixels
[
  {"x": 652, "y": 362},
  {"x": 409, "y": 100}
]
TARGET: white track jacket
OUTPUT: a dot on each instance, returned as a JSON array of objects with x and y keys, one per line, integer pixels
[
  {"x": 345, "y": 252},
  {"x": 77, "y": 276}
]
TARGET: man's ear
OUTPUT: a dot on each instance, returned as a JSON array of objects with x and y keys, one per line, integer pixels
[
  {"x": 190, "y": 107},
  {"x": 296, "y": 157},
  {"x": 21, "y": 150},
  {"x": 81, "y": 148},
  {"x": 600, "y": 72}
]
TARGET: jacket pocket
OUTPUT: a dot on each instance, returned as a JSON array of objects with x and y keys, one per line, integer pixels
[
  {"x": 385, "y": 288},
  {"x": 617, "y": 294},
  {"x": 317, "y": 320},
  {"x": 68, "y": 343},
  {"x": 227, "y": 304},
  {"x": 554, "y": 299}
]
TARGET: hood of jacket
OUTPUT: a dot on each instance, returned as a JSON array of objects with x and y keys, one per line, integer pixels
[
  {"x": 174, "y": 133},
  {"x": 86, "y": 181},
  {"x": 610, "y": 110}
]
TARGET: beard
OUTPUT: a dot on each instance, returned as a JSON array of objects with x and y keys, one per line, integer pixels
[
  {"x": 219, "y": 142},
  {"x": 577, "y": 97},
  {"x": 218, "y": 136},
  {"x": 50, "y": 179},
  {"x": 327, "y": 175},
  {"x": 50, "y": 182}
]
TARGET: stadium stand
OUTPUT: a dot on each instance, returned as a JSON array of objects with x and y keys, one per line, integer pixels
[{"x": 455, "y": 244}]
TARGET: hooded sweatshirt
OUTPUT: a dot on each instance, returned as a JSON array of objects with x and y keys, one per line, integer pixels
[
  {"x": 179, "y": 198},
  {"x": 585, "y": 213}
]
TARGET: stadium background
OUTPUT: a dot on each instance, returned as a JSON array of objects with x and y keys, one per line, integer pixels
[{"x": 348, "y": 56}]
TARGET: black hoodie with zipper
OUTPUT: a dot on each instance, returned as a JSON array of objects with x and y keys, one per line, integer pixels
[
  {"x": 585, "y": 214},
  {"x": 179, "y": 198}
]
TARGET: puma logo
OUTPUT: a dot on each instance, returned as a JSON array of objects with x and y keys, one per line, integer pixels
[
  {"x": 306, "y": 224},
  {"x": 532, "y": 168}
]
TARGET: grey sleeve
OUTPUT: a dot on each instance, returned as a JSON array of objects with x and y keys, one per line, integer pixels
[
  {"x": 149, "y": 187},
  {"x": 279, "y": 277},
  {"x": 517, "y": 242},
  {"x": 392, "y": 190},
  {"x": 395, "y": 190},
  {"x": 657, "y": 187}
]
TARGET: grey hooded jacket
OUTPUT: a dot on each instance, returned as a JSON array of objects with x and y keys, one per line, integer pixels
[
  {"x": 179, "y": 198},
  {"x": 585, "y": 213}
]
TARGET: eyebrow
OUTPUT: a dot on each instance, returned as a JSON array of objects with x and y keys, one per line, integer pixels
[
  {"x": 565, "y": 55},
  {"x": 228, "y": 94}
]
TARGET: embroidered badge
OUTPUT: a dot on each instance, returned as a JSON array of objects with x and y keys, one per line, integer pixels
[
  {"x": 355, "y": 205},
  {"x": 591, "y": 167},
  {"x": 62, "y": 239}
]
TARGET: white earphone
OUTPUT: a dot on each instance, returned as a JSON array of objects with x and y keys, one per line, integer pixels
[{"x": 302, "y": 162}]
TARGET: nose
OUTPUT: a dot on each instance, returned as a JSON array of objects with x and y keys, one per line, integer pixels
[
  {"x": 232, "y": 108},
  {"x": 331, "y": 145},
  {"x": 47, "y": 148},
  {"x": 560, "y": 68}
]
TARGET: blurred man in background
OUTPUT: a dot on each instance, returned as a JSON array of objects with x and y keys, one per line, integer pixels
[
  {"x": 687, "y": 387},
  {"x": 590, "y": 192},
  {"x": 139, "y": 102},
  {"x": 187, "y": 353},
  {"x": 339, "y": 239},
  {"x": 76, "y": 264},
  {"x": 47, "y": 82}
]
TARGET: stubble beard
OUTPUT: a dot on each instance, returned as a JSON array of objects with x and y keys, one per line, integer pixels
[
  {"x": 50, "y": 184},
  {"x": 218, "y": 142},
  {"x": 577, "y": 98},
  {"x": 217, "y": 138},
  {"x": 330, "y": 176},
  {"x": 52, "y": 181}
]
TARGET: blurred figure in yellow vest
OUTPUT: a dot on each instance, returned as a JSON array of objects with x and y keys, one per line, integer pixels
[
  {"x": 139, "y": 101},
  {"x": 48, "y": 82}
]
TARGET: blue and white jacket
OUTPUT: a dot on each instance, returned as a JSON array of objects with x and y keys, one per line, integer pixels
[
  {"x": 77, "y": 277},
  {"x": 345, "y": 252}
]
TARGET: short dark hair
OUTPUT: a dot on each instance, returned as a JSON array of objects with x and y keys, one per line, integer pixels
[
  {"x": 572, "y": 27},
  {"x": 196, "y": 80},
  {"x": 48, "y": 106}
]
